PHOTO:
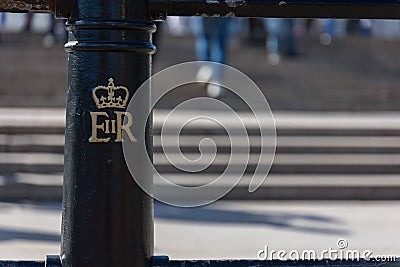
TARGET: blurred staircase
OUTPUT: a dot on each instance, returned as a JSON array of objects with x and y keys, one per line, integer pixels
[
  {"x": 31, "y": 153},
  {"x": 336, "y": 156}
]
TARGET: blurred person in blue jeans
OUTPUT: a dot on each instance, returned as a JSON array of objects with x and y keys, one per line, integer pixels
[
  {"x": 332, "y": 28},
  {"x": 2, "y": 22},
  {"x": 55, "y": 33},
  {"x": 211, "y": 41},
  {"x": 280, "y": 38}
]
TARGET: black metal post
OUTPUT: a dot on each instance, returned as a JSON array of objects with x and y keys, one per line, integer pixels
[{"x": 107, "y": 218}]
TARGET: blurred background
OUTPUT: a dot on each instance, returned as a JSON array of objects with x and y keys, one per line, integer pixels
[{"x": 334, "y": 90}]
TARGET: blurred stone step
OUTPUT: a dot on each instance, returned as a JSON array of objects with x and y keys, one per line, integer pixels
[
  {"x": 31, "y": 162},
  {"x": 283, "y": 163},
  {"x": 291, "y": 132},
  {"x": 45, "y": 187},
  {"x": 285, "y": 144},
  {"x": 32, "y": 121},
  {"x": 287, "y": 123},
  {"x": 282, "y": 159},
  {"x": 285, "y": 120},
  {"x": 45, "y": 143},
  {"x": 303, "y": 187},
  {"x": 363, "y": 180},
  {"x": 31, "y": 186},
  {"x": 54, "y": 179},
  {"x": 52, "y": 121},
  {"x": 53, "y": 143}
]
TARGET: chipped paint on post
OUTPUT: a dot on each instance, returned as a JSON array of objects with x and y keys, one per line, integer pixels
[
  {"x": 27, "y": 6},
  {"x": 235, "y": 3},
  {"x": 212, "y": 1}
]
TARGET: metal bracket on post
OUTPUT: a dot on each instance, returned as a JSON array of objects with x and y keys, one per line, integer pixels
[
  {"x": 63, "y": 8},
  {"x": 160, "y": 261},
  {"x": 158, "y": 10}
]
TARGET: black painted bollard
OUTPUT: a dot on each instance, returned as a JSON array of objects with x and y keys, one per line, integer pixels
[{"x": 107, "y": 218}]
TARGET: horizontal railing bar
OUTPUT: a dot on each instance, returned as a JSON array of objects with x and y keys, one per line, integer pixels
[
  {"x": 385, "y": 9},
  {"x": 389, "y": 9},
  {"x": 27, "y": 6}
]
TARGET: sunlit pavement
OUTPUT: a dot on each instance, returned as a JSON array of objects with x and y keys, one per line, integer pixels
[{"x": 225, "y": 229}]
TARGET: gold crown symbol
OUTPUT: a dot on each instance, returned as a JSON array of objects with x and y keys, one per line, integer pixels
[{"x": 110, "y": 96}]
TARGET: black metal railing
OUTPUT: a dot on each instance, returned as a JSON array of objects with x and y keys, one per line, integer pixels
[
  {"x": 283, "y": 9},
  {"x": 163, "y": 261}
]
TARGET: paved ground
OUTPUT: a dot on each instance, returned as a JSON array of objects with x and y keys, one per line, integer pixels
[{"x": 224, "y": 229}]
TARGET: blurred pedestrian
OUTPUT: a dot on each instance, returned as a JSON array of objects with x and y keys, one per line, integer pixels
[
  {"x": 2, "y": 22},
  {"x": 56, "y": 32},
  {"x": 28, "y": 22},
  {"x": 386, "y": 29},
  {"x": 179, "y": 26},
  {"x": 211, "y": 41},
  {"x": 332, "y": 28},
  {"x": 280, "y": 39}
]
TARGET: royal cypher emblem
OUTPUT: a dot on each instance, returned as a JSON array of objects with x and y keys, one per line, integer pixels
[{"x": 110, "y": 124}]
